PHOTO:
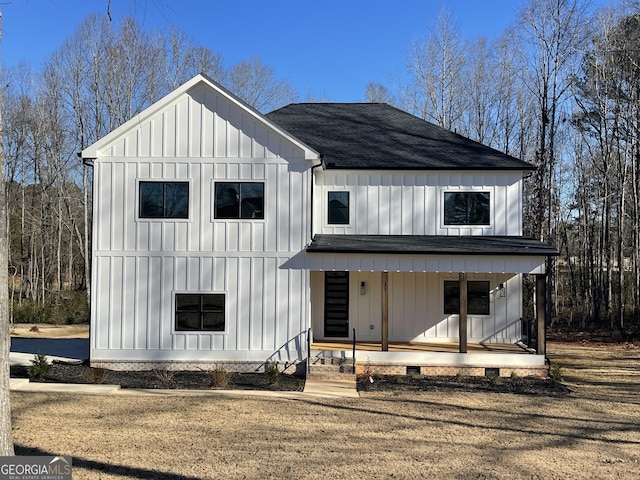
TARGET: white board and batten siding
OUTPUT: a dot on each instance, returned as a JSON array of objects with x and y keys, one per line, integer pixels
[
  {"x": 416, "y": 308},
  {"x": 200, "y": 136},
  {"x": 412, "y": 203}
]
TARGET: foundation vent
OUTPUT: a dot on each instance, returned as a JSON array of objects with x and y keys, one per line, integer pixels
[{"x": 491, "y": 372}]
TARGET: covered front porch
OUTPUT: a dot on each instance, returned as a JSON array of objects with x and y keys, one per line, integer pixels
[{"x": 431, "y": 305}]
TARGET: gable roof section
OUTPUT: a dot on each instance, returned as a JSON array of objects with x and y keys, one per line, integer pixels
[
  {"x": 430, "y": 245},
  {"x": 164, "y": 115},
  {"x": 379, "y": 136}
]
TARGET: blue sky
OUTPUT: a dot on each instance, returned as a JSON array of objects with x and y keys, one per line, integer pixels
[{"x": 329, "y": 48}]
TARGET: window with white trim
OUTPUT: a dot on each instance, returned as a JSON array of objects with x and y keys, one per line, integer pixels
[
  {"x": 467, "y": 208},
  {"x": 338, "y": 208},
  {"x": 163, "y": 199},
  {"x": 200, "y": 312},
  {"x": 239, "y": 200}
]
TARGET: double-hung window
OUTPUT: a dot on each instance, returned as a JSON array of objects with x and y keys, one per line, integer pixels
[
  {"x": 164, "y": 200},
  {"x": 467, "y": 208},
  {"x": 200, "y": 312},
  {"x": 239, "y": 200},
  {"x": 477, "y": 297}
]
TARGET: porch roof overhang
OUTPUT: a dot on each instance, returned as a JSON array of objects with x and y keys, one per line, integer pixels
[
  {"x": 429, "y": 253},
  {"x": 430, "y": 245}
]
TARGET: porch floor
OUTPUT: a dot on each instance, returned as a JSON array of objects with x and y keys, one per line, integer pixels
[{"x": 440, "y": 347}]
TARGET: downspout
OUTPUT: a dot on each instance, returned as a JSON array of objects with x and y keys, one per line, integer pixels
[
  {"x": 313, "y": 167},
  {"x": 87, "y": 161},
  {"x": 310, "y": 331}
]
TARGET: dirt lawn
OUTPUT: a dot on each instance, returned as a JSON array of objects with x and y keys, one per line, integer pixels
[{"x": 594, "y": 433}]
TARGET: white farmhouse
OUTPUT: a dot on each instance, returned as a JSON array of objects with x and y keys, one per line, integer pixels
[{"x": 222, "y": 236}]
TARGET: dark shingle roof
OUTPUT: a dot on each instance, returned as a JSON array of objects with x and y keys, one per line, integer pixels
[
  {"x": 377, "y": 135},
  {"x": 430, "y": 245}
]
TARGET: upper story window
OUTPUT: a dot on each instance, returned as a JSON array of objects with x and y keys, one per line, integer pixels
[
  {"x": 164, "y": 200},
  {"x": 239, "y": 200},
  {"x": 467, "y": 208},
  {"x": 477, "y": 297},
  {"x": 338, "y": 208},
  {"x": 200, "y": 312}
]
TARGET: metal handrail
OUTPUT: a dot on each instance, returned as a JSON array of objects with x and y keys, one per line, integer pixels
[
  {"x": 354, "y": 351},
  {"x": 309, "y": 351}
]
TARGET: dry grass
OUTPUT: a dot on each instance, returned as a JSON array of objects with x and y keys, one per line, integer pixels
[
  {"x": 593, "y": 434},
  {"x": 218, "y": 377},
  {"x": 97, "y": 376},
  {"x": 29, "y": 330}
]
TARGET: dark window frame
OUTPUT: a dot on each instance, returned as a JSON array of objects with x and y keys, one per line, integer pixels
[
  {"x": 338, "y": 215},
  {"x": 163, "y": 210},
  {"x": 478, "y": 297},
  {"x": 233, "y": 205},
  {"x": 467, "y": 208},
  {"x": 205, "y": 315}
]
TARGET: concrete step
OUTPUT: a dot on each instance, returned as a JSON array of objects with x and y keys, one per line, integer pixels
[
  {"x": 329, "y": 360},
  {"x": 332, "y": 368},
  {"x": 332, "y": 372},
  {"x": 333, "y": 376}
]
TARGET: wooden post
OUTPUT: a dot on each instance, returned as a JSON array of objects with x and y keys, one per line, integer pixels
[
  {"x": 541, "y": 314},
  {"x": 462, "y": 327},
  {"x": 385, "y": 311}
]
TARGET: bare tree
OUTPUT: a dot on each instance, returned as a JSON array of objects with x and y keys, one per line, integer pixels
[
  {"x": 377, "y": 93},
  {"x": 479, "y": 81},
  {"x": 608, "y": 117},
  {"x": 255, "y": 83},
  {"x": 436, "y": 65},
  {"x": 514, "y": 113},
  {"x": 6, "y": 437},
  {"x": 550, "y": 35},
  {"x": 181, "y": 60}
]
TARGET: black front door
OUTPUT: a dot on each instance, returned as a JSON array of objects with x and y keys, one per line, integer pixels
[{"x": 336, "y": 304}]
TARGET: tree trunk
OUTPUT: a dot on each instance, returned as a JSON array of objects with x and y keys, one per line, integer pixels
[{"x": 6, "y": 437}]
